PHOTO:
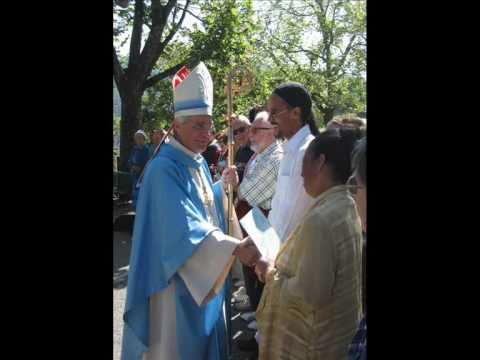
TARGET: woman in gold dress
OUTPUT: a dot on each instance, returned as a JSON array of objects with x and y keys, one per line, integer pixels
[{"x": 311, "y": 303}]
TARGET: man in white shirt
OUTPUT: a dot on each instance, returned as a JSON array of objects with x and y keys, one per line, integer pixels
[{"x": 290, "y": 108}]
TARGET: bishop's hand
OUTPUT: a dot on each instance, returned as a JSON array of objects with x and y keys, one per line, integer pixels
[
  {"x": 247, "y": 252},
  {"x": 230, "y": 176},
  {"x": 263, "y": 267}
]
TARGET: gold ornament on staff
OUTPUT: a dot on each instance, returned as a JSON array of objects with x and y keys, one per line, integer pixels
[{"x": 246, "y": 83}]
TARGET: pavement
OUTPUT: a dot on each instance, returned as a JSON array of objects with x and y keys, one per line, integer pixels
[{"x": 121, "y": 256}]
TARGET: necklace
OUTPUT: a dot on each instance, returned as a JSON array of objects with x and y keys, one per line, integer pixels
[{"x": 207, "y": 198}]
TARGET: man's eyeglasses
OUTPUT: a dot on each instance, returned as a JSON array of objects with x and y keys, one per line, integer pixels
[
  {"x": 240, "y": 130},
  {"x": 210, "y": 129},
  {"x": 273, "y": 116},
  {"x": 255, "y": 129}
]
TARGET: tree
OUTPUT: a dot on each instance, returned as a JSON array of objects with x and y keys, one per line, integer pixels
[
  {"x": 221, "y": 40},
  {"x": 165, "y": 50},
  {"x": 134, "y": 79},
  {"x": 321, "y": 43}
]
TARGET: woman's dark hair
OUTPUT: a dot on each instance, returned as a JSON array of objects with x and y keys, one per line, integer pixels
[
  {"x": 337, "y": 146},
  {"x": 254, "y": 111},
  {"x": 359, "y": 160},
  {"x": 297, "y": 95}
]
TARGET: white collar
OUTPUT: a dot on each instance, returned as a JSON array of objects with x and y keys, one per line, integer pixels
[
  {"x": 297, "y": 140},
  {"x": 178, "y": 145}
]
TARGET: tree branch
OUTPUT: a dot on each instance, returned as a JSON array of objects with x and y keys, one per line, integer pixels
[
  {"x": 175, "y": 9},
  {"x": 160, "y": 76},
  {"x": 162, "y": 15},
  {"x": 320, "y": 4},
  {"x": 136, "y": 40},
  {"x": 154, "y": 46},
  {"x": 277, "y": 62},
  {"x": 321, "y": 18},
  {"x": 157, "y": 12},
  {"x": 152, "y": 49},
  {"x": 122, "y": 3},
  {"x": 297, "y": 14},
  {"x": 286, "y": 48},
  {"x": 174, "y": 28},
  {"x": 306, "y": 51},
  {"x": 326, "y": 8},
  {"x": 319, "y": 100},
  {"x": 345, "y": 53},
  {"x": 118, "y": 73},
  {"x": 192, "y": 14}
]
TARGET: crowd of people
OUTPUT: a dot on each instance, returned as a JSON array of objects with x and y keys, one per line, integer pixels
[{"x": 306, "y": 302}]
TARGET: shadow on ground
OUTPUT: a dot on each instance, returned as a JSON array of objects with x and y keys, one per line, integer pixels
[
  {"x": 123, "y": 219},
  {"x": 122, "y": 244}
]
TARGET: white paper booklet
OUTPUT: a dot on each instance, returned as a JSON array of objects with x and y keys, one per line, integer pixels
[{"x": 261, "y": 232}]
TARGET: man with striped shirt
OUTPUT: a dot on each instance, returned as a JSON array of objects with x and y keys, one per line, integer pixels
[
  {"x": 258, "y": 184},
  {"x": 257, "y": 189}
]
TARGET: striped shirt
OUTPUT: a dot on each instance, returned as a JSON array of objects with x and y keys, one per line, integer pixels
[{"x": 258, "y": 184}]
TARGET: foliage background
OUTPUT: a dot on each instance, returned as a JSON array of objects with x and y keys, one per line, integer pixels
[{"x": 320, "y": 43}]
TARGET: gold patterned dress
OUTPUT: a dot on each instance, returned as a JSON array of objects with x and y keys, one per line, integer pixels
[{"x": 311, "y": 303}]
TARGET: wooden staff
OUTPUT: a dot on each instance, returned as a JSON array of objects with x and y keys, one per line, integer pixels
[
  {"x": 246, "y": 83},
  {"x": 231, "y": 154}
]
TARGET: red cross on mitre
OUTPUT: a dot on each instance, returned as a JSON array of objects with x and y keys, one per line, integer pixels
[{"x": 180, "y": 76}]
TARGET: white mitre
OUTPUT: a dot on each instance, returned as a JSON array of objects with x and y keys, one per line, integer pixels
[{"x": 193, "y": 91}]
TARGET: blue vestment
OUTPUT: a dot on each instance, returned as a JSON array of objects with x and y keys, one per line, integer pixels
[{"x": 170, "y": 224}]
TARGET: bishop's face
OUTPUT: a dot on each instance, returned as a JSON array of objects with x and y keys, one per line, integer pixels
[{"x": 195, "y": 132}]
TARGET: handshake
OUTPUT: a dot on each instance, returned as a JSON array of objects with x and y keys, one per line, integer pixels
[{"x": 248, "y": 254}]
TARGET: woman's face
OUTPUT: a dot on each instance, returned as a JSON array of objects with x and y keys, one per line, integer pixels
[
  {"x": 310, "y": 170},
  {"x": 240, "y": 133},
  {"x": 139, "y": 139}
]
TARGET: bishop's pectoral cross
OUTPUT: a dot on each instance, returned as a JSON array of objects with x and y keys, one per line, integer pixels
[{"x": 207, "y": 199}]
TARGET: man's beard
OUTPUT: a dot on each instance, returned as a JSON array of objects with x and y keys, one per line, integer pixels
[
  {"x": 280, "y": 135},
  {"x": 254, "y": 147}
]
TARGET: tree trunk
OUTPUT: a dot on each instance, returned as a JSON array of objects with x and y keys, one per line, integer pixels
[{"x": 130, "y": 123}]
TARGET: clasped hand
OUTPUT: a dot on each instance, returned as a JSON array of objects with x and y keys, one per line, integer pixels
[
  {"x": 249, "y": 255},
  {"x": 230, "y": 176},
  {"x": 247, "y": 252},
  {"x": 262, "y": 267}
]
